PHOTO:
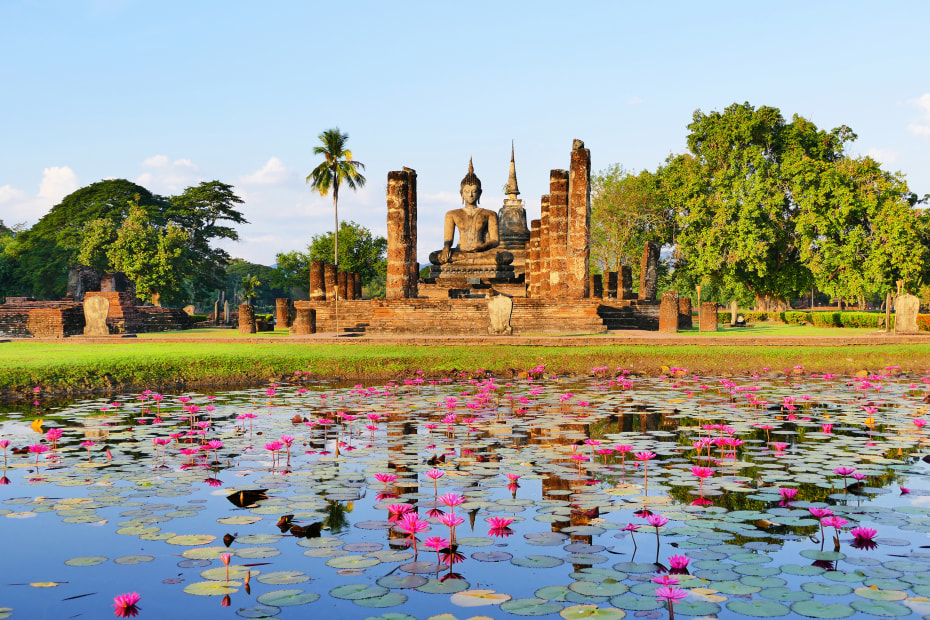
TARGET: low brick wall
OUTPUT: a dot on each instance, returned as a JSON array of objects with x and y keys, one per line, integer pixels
[
  {"x": 155, "y": 319},
  {"x": 20, "y": 318},
  {"x": 630, "y": 314}
]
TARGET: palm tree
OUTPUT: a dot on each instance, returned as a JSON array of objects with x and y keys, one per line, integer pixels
[{"x": 337, "y": 167}]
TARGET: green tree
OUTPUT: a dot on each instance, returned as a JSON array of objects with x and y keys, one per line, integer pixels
[
  {"x": 265, "y": 294},
  {"x": 736, "y": 211},
  {"x": 43, "y": 252},
  {"x": 857, "y": 226},
  {"x": 627, "y": 211},
  {"x": 206, "y": 211},
  {"x": 359, "y": 251},
  {"x": 153, "y": 257},
  {"x": 336, "y": 168}
]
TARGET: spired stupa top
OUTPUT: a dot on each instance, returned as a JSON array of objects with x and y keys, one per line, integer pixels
[{"x": 512, "y": 190}]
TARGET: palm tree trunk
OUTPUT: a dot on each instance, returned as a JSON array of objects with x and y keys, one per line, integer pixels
[{"x": 336, "y": 246}]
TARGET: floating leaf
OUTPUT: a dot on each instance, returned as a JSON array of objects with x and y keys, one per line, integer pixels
[
  {"x": 288, "y": 598},
  {"x": 92, "y": 560},
  {"x": 530, "y": 607},
  {"x": 283, "y": 577},
  {"x": 478, "y": 598},
  {"x": 758, "y": 608},
  {"x": 213, "y": 588},
  {"x": 538, "y": 561},
  {"x": 191, "y": 540},
  {"x": 577, "y": 612},
  {"x": 356, "y": 591},
  {"x": 391, "y": 599},
  {"x": 449, "y": 586}
]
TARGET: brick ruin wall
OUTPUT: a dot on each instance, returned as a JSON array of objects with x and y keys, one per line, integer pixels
[{"x": 23, "y": 317}]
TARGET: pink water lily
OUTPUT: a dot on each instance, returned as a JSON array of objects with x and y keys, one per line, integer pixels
[
  {"x": 863, "y": 533},
  {"x": 385, "y": 478},
  {"x": 126, "y": 605},
  {"x": 670, "y": 594},
  {"x": 787, "y": 494},
  {"x": 678, "y": 562},
  {"x": 496, "y": 522}
]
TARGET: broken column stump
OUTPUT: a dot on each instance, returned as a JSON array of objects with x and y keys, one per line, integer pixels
[{"x": 668, "y": 313}]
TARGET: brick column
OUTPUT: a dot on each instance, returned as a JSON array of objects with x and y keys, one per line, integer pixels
[
  {"x": 626, "y": 282},
  {"x": 532, "y": 267},
  {"x": 341, "y": 285},
  {"x": 596, "y": 287},
  {"x": 317, "y": 281},
  {"x": 246, "y": 319},
  {"x": 558, "y": 233},
  {"x": 612, "y": 285},
  {"x": 329, "y": 277},
  {"x": 544, "y": 258},
  {"x": 357, "y": 285},
  {"x": 668, "y": 313},
  {"x": 685, "y": 320},
  {"x": 398, "y": 234},
  {"x": 305, "y": 322},
  {"x": 649, "y": 272},
  {"x": 282, "y": 312},
  {"x": 708, "y": 318},
  {"x": 413, "y": 267},
  {"x": 579, "y": 222},
  {"x": 350, "y": 285}
]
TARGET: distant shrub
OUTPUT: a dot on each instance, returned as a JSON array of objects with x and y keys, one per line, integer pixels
[
  {"x": 826, "y": 319},
  {"x": 199, "y": 318},
  {"x": 862, "y": 319},
  {"x": 795, "y": 318},
  {"x": 923, "y": 322},
  {"x": 753, "y": 316}
]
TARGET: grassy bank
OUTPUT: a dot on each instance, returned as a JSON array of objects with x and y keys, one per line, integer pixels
[{"x": 68, "y": 368}]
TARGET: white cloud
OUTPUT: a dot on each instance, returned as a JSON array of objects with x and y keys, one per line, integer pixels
[
  {"x": 920, "y": 129},
  {"x": 166, "y": 176},
  {"x": 57, "y": 182},
  {"x": 634, "y": 101},
  {"x": 9, "y": 193},
  {"x": 272, "y": 173},
  {"x": 884, "y": 156},
  {"x": 156, "y": 161}
]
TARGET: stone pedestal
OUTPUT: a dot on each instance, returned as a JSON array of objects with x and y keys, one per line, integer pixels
[
  {"x": 246, "y": 319},
  {"x": 596, "y": 286},
  {"x": 707, "y": 320},
  {"x": 317, "y": 281},
  {"x": 626, "y": 282},
  {"x": 96, "y": 310},
  {"x": 579, "y": 222},
  {"x": 329, "y": 281},
  {"x": 685, "y": 321},
  {"x": 905, "y": 314},
  {"x": 649, "y": 272},
  {"x": 668, "y": 313},
  {"x": 305, "y": 322},
  {"x": 342, "y": 285},
  {"x": 282, "y": 312},
  {"x": 612, "y": 285},
  {"x": 500, "y": 308}
]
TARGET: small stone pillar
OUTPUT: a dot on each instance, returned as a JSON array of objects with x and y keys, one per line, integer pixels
[
  {"x": 329, "y": 281},
  {"x": 246, "y": 319},
  {"x": 96, "y": 309},
  {"x": 733, "y": 311},
  {"x": 341, "y": 285},
  {"x": 558, "y": 234},
  {"x": 596, "y": 286},
  {"x": 317, "y": 281},
  {"x": 545, "y": 260},
  {"x": 226, "y": 312},
  {"x": 668, "y": 313},
  {"x": 626, "y": 282},
  {"x": 612, "y": 285},
  {"x": 707, "y": 320},
  {"x": 649, "y": 272},
  {"x": 282, "y": 312},
  {"x": 532, "y": 267},
  {"x": 399, "y": 240},
  {"x": 578, "y": 252},
  {"x": 685, "y": 321},
  {"x": 357, "y": 285},
  {"x": 905, "y": 314},
  {"x": 350, "y": 285},
  {"x": 305, "y": 322},
  {"x": 216, "y": 312},
  {"x": 412, "y": 288}
]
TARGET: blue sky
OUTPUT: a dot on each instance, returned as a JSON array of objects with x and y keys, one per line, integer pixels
[{"x": 170, "y": 93}]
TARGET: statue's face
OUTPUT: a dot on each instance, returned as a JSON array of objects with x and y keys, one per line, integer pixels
[{"x": 471, "y": 194}]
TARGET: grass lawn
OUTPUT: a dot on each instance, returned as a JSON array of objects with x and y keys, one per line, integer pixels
[{"x": 151, "y": 363}]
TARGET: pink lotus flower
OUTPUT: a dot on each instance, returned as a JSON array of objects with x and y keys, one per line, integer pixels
[
  {"x": 920, "y": 423},
  {"x": 657, "y": 520},
  {"x": 452, "y": 500},
  {"x": 399, "y": 510},
  {"x": 844, "y": 471},
  {"x": 863, "y": 533},
  {"x": 678, "y": 562},
  {"x": 38, "y": 449},
  {"x": 702, "y": 472},
  {"x": 126, "y": 605},
  {"x": 834, "y": 522},
  {"x": 412, "y": 524},
  {"x": 645, "y": 456},
  {"x": 385, "y": 478},
  {"x": 665, "y": 580},
  {"x": 451, "y": 520},
  {"x": 779, "y": 447},
  {"x": 670, "y": 594},
  {"x": 496, "y": 522},
  {"x": 435, "y": 474},
  {"x": 513, "y": 477},
  {"x": 827, "y": 428},
  {"x": 820, "y": 512},
  {"x": 787, "y": 494}
]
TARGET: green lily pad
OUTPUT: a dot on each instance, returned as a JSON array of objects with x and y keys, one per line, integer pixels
[
  {"x": 537, "y": 561},
  {"x": 402, "y": 581},
  {"x": 190, "y": 540},
  {"x": 631, "y": 602},
  {"x": 256, "y": 553},
  {"x": 577, "y": 612},
  {"x": 758, "y": 608},
  {"x": 288, "y": 598},
  {"x": 530, "y": 607},
  {"x": 352, "y": 561},
  {"x": 785, "y": 595},
  {"x": 449, "y": 586},
  {"x": 127, "y": 560},
  {"x": 553, "y": 593},
  {"x": 283, "y": 577},
  {"x": 888, "y": 609},
  {"x": 391, "y": 599},
  {"x": 91, "y": 560},
  {"x": 876, "y": 594},
  {"x": 697, "y": 608},
  {"x": 258, "y": 611},
  {"x": 826, "y": 589},
  {"x": 604, "y": 588},
  {"x": 478, "y": 598},
  {"x": 820, "y": 609},
  {"x": 213, "y": 588}
]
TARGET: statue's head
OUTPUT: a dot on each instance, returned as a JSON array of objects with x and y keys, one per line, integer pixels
[{"x": 471, "y": 179}]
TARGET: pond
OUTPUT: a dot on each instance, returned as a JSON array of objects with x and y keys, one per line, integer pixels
[{"x": 780, "y": 495}]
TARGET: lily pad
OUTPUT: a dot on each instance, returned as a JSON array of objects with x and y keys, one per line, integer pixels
[
  {"x": 578, "y": 612},
  {"x": 758, "y": 608},
  {"x": 283, "y": 577},
  {"x": 391, "y": 599},
  {"x": 530, "y": 607},
  {"x": 537, "y": 561},
  {"x": 213, "y": 588},
  {"x": 356, "y": 591},
  {"x": 288, "y": 598},
  {"x": 478, "y": 598},
  {"x": 820, "y": 609},
  {"x": 91, "y": 560}
]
